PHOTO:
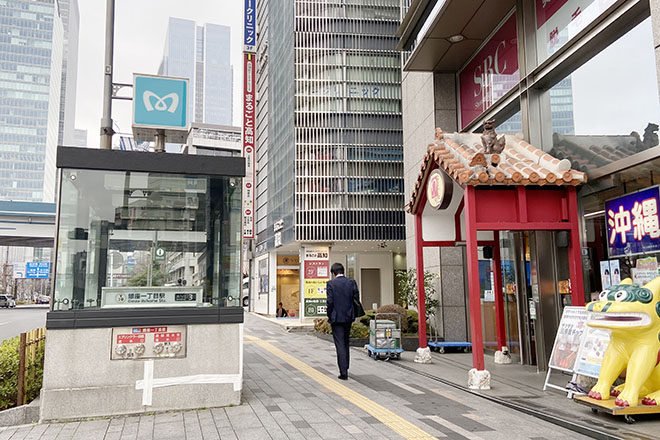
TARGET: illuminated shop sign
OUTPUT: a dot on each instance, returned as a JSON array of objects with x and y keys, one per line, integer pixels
[
  {"x": 633, "y": 225},
  {"x": 491, "y": 72}
]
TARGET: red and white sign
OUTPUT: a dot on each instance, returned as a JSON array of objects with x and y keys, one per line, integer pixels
[
  {"x": 249, "y": 104},
  {"x": 491, "y": 73},
  {"x": 131, "y": 339},
  {"x": 149, "y": 329},
  {"x": 317, "y": 269},
  {"x": 167, "y": 337}
]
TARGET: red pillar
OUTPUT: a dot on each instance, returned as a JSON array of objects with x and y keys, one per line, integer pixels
[
  {"x": 499, "y": 296},
  {"x": 574, "y": 251},
  {"x": 421, "y": 295},
  {"x": 473, "y": 278}
]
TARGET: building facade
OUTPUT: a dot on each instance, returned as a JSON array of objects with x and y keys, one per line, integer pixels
[
  {"x": 201, "y": 54},
  {"x": 71, "y": 23},
  {"x": 31, "y": 52},
  {"x": 329, "y": 145},
  {"x": 551, "y": 71}
]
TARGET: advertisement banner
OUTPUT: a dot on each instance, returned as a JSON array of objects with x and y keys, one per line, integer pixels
[
  {"x": 633, "y": 225},
  {"x": 490, "y": 74},
  {"x": 248, "y": 144},
  {"x": 316, "y": 264},
  {"x": 569, "y": 335},
  {"x": 249, "y": 37},
  {"x": 592, "y": 350}
]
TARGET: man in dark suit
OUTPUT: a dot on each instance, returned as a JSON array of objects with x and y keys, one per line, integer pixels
[{"x": 341, "y": 291}]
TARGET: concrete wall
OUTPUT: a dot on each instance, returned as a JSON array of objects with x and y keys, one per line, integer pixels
[{"x": 81, "y": 381}]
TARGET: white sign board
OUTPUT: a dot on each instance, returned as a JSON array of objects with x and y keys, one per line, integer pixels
[
  {"x": 129, "y": 297},
  {"x": 569, "y": 335},
  {"x": 592, "y": 349}
]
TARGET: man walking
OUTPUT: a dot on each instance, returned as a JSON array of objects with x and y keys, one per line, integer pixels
[{"x": 341, "y": 293}]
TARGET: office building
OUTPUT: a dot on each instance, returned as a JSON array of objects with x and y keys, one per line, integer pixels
[
  {"x": 31, "y": 51},
  {"x": 586, "y": 94},
  {"x": 201, "y": 54},
  {"x": 79, "y": 138},
  {"x": 70, "y": 22},
  {"x": 328, "y": 146}
]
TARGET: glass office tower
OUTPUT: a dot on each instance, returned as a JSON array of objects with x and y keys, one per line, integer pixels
[
  {"x": 31, "y": 36},
  {"x": 201, "y": 54}
]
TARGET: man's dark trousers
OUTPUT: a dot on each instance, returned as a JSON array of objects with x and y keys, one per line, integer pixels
[{"x": 340, "y": 333}]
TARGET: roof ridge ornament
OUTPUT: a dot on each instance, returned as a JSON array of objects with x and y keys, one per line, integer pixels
[{"x": 489, "y": 138}]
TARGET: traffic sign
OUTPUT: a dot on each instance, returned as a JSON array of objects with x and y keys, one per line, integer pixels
[
  {"x": 160, "y": 103},
  {"x": 159, "y": 254},
  {"x": 37, "y": 269}
]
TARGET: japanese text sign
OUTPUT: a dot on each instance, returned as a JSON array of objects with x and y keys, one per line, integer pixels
[
  {"x": 249, "y": 103},
  {"x": 249, "y": 41},
  {"x": 491, "y": 73},
  {"x": 569, "y": 336},
  {"x": 633, "y": 226}
]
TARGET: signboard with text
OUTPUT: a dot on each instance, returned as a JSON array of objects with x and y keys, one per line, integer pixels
[
  {"x": 37, "y": 269},
  {"x": 491, "y": 72},
  {"x": 248, "y": 144},
  {"x": 569, "y": 336},
  {"x": 316, "y": 264},
  {"x": 633, "y": 225},
  {"x": 249, "y": 36}
]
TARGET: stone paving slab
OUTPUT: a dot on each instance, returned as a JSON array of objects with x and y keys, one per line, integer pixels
[{"x": 291, "y": 393}]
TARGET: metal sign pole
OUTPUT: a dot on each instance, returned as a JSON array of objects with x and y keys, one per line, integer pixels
[{"x": 106, "y": 120}]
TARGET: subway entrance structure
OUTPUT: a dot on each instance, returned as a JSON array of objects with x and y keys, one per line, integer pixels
[
  {"x": 467, "y": 193},
  {"x": 130, "y": 329}
]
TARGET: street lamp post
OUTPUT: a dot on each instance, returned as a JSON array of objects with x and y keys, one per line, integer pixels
[{"x": 106, "y": 120}]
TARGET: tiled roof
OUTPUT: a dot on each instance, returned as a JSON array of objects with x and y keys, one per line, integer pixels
[{"x": 462, "y": 157}]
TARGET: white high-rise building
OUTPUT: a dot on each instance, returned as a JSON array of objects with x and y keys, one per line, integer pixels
[{"x": 71, "y": 22}]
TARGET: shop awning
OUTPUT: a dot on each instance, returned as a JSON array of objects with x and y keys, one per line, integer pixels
[
  {"x": 430, "y": 25},
  {"x": 463, "y": 157}
]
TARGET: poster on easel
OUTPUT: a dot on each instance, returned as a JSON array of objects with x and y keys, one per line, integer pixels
[
  {"x": 569, "y": 335},
  {"x": 592, "y": 349}
]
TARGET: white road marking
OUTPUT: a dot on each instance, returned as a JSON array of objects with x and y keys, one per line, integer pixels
[
  {"x": 3, "y": 323},
  {"x": 457, "y": 429},
  {"x": 405, "y": 387}
]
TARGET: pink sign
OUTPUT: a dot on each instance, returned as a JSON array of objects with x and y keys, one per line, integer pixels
[
  {"x": 492, "y": 72},
  {"x": 546, "y": 9}
]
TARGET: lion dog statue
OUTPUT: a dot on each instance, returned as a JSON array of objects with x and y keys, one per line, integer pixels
[{"x": 632, "y": 314}]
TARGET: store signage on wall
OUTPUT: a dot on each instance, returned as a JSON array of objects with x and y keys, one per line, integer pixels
[
  {"x": 249, "y": 39},
  {"x": 439, "y": 189},
  {"x": 248, "y": 144},
  {"x": 491, "y": 72},
  {"x": 316, "y": 263},
  {"x": 557, "y": 21},
  {"x": 633, "y": 225}
]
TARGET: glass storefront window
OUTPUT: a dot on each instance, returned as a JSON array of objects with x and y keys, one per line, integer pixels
[
  {"x": 608, "y": 108},
  {"x": 558, "y": 21},
  {"x": 137, "y": 239}
]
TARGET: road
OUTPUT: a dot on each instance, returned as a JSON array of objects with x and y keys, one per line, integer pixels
[{"x": 21, "y": 319}]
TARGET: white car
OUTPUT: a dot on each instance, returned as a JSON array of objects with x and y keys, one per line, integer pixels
[{"x": 7, "y": 301}]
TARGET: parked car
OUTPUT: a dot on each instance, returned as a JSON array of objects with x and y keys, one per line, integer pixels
[
  {"x": 43, "y": 299},
  {"x": 7, "y": 301}
]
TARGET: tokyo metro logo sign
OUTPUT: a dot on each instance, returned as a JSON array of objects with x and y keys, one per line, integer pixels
[{"x": 160, "y": 102}]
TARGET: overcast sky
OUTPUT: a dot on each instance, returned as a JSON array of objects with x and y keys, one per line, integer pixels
[{"x": 140, "y": 27}]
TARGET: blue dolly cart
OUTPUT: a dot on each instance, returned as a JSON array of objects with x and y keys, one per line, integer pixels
[{"x": 440, "y": 346}]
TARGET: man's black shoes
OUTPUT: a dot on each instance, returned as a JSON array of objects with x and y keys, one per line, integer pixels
[{"x": 343, "y": 376}]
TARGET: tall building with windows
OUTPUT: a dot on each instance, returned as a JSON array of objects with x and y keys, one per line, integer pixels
[
  {"x": 201, "y": 54},
  {"x": 70, "y": 22},
  {"x": 31, "y": 45},
  {"x": 329, "y": 146}
]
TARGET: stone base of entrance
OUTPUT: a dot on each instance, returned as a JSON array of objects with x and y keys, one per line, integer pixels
[
  {"x": 81, "y": 381},
  {"x": 478, "y": 379}
]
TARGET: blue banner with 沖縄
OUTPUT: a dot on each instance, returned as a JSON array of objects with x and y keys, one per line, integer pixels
[{"x": 633, "y": 225}]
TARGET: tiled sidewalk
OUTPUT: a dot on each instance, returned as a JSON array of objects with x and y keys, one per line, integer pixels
[{"x": 291, "y": 392}]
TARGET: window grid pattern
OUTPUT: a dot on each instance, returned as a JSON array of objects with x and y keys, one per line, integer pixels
[{"x": 348, "y": 132}]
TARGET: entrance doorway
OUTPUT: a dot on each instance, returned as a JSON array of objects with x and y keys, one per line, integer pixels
[
  {"x": 288, "y": 290},
  {"x": 536, "y": 288},
  {"x": 370, "y": 292}
]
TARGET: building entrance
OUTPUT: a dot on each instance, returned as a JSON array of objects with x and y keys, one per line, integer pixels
[{"x": 536, "y": 287}]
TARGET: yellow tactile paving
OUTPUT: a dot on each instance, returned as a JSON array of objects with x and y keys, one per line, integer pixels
[{"x": 395, "y": 422}]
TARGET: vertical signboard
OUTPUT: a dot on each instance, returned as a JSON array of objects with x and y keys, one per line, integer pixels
[
  {"x": 491, "y": 72},
  {"x": 633, "y": 223},
  {"x": 248, "y": 144},
  {"x": 316, "y": 267},
  {"x": 249, "y": 38}
]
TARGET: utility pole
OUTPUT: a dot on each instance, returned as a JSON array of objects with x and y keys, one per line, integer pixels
[{"x": 106, "y": 121}]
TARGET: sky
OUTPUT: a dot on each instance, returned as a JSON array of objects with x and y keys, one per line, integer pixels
[{"x": 140, "y": 28}]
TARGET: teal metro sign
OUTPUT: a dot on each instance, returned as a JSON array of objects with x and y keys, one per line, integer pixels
[{"x": 160, "y": 102}]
